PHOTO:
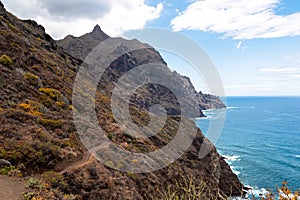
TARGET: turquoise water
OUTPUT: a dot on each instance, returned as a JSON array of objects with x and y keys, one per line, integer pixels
[{"x": 261, "y": 139}]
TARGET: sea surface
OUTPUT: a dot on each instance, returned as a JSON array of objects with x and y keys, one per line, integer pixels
[{"x": 260, "y": 140}]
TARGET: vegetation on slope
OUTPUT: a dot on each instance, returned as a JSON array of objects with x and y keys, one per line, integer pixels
[{"x": 38, "y": 137}]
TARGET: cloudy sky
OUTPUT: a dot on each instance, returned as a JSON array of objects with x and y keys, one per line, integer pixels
[{"x": 255, "y": 44}]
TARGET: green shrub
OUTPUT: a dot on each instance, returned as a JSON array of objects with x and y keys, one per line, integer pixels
[
  {"x": 32, "y": 108},
  {"x": 189, "y": 188},
  {"x": 33, "y": 79},
  {"x": 51, "y": 123},
  {"x": 56, "y": 180},
  {"x": 13, "y": 28},
  {"x": 52, "y": 93},
  {"x": 6, "y": 61},
  {"x": 33, "y": 183},
  {"x": 29, "y": 195},
  {"x": 6, "y": 170},
  {"x": 33, "y": 155}
]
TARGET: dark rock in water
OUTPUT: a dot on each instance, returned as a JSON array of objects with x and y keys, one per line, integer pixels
[{"x": 4, "y": 163}]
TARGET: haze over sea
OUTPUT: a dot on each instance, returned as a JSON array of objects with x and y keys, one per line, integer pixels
[{"x": 261, "y": 139}]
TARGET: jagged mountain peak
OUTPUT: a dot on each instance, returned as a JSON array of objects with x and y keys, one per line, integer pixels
[
  {"x": 97, "y": 28},
  {"x": 83, "y": 44},
  {"x": 97, "y": 34}
]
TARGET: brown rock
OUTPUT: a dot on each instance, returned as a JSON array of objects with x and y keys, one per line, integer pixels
[{"x": 4, "y": 163}]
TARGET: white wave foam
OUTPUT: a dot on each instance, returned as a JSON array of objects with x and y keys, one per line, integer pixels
[
  {"x": 201, "y": 118},
  {"x": 234, "y": 107},
  {"x": 286, "y": 115},
  {"x": 234, "y": 170},
  {"x": 253, "y": 193},
  {"x": 197, "y": 118},
  {"x": 297, "y": 156},
  {"x": 231, "y": 158},
  {"x": 207, "y": 117}
]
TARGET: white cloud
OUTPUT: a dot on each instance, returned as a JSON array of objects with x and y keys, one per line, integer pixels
[
  {"x": 248, "y": 86},
  {"x": 295, "y": 58},
  {"x": 291, "y": 71},
  {"x": 280, "y": 69},
  {"x": 76, "y": 17},
  {"x": 295, "y": 76},
  {"x": 250, "y": 89},
  {"x": 74, "y": 9},
  {"x": 241, "y": 19},
  {"x": 285, "y": 78}
]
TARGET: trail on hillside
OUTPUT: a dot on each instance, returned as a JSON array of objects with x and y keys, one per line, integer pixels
[
  {"x": 11, "y": 188},
  {"x": 86, "y": 159}
]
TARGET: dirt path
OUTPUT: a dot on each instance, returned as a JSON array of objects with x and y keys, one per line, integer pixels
[
  {"x": 11, "y": 188},
  {"x": 86, "y": 158}
]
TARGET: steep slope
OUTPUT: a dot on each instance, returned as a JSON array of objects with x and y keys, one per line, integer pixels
[
  {"x": 38, "y": 136},
  {"x": 80, "y": 47},
  {"x": 35, "y": 94}
]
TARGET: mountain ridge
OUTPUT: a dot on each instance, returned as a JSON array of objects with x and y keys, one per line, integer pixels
[{"x": 73, "y": 45}]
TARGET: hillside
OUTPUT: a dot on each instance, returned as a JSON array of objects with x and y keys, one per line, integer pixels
[{"x": 38, "y": 136}]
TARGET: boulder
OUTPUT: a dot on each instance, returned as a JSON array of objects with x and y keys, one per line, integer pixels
[{"x": 4, "y": 163}]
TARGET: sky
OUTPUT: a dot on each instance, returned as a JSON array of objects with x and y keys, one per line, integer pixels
[{"x": 255, "y": 45}]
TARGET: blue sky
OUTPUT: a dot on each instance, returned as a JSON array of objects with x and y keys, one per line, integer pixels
[
  {"x": 255, "y": 44},
  {"x": 255, "y": 64}
]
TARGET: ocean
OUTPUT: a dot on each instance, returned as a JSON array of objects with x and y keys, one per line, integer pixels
[{"x": 260, "y": 140}]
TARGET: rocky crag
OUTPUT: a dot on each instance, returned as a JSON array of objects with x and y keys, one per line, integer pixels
[
  {"x": 38, "y": 136},
  {"x": 80, "y": 47}
]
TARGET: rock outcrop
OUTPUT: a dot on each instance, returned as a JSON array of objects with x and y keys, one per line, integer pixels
[
  {"x": 80, "y": 47},
  {"x": 4, "y": 163},
  {"x": 37, "y": 133},
  {"x": 208, "y": 101}
]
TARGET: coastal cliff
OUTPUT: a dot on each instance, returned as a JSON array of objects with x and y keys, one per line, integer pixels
[
  {"x": 80, "y": 47},
  {"x": 38, "y": 136}
]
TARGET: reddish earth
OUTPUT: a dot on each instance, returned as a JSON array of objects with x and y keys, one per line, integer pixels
[{"x": 11, "y": 188}]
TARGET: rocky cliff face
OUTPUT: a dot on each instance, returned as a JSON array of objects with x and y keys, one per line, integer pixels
[
  {"x": 80, "y": 47},
  {"x": 207, "y": 101},
  {"x": 38, "y": 136}
]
